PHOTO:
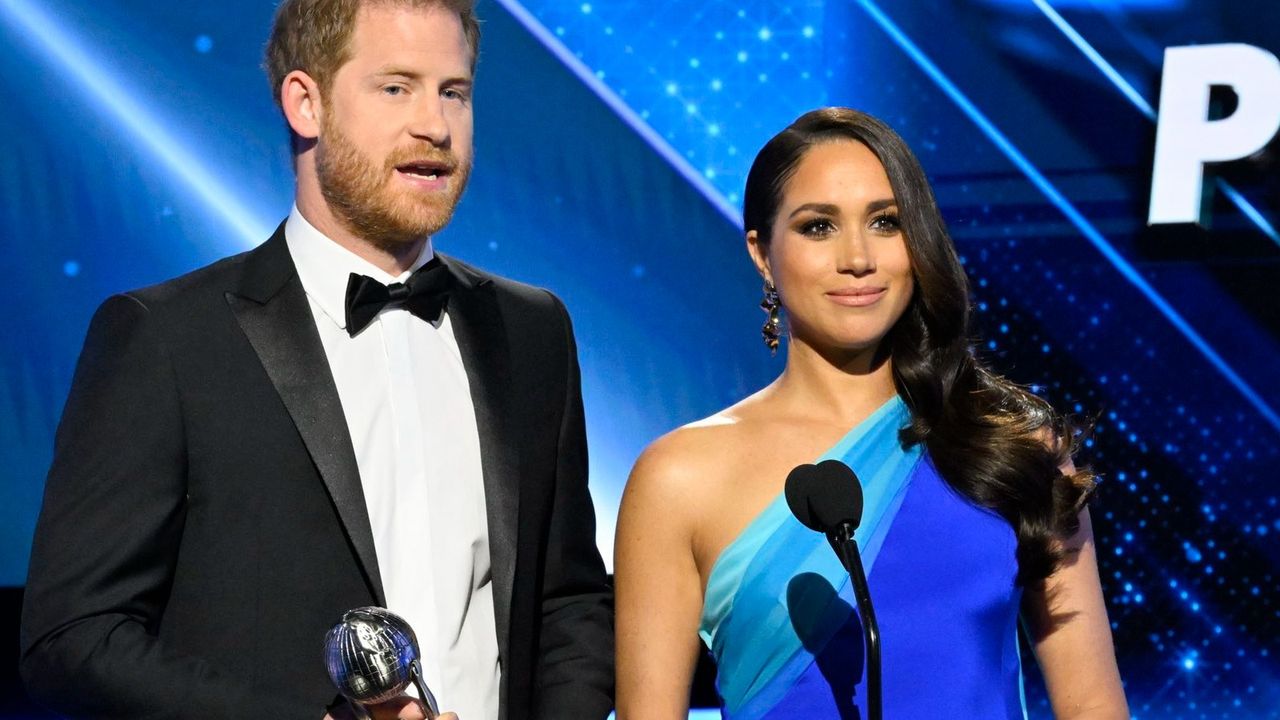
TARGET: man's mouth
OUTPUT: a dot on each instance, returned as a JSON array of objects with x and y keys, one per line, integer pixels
[{"x": 425, "y": 170}]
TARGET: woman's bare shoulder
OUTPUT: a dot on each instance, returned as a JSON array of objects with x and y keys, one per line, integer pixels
[{"x": 687, "y": 462}]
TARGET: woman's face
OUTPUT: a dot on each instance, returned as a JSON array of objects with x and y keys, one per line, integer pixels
[{"x": 837, "y": 254}]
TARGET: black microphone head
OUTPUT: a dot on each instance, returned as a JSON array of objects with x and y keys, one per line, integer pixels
[{"x": 824, "y": 496}]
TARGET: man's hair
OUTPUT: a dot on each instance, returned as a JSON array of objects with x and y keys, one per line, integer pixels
[{"x": 314, "y": 36}]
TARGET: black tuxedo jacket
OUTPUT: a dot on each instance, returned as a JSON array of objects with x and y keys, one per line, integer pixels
[{"x": 204, "y": 524}]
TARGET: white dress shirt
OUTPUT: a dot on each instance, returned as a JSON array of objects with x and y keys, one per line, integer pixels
[{"x": 408, "y": 407}]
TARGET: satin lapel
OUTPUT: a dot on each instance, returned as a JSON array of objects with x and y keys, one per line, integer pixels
[
  {"x": 272, "y": 309},
  {"x": 482, "y": 339}
]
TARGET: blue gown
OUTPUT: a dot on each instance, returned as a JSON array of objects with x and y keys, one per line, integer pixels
[{"x": 779, "y": 611}]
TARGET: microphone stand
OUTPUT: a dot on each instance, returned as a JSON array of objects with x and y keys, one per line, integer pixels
[{"x": 847, "y": 550}]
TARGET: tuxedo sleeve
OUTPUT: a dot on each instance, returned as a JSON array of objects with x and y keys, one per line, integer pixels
[
  {"x": 107, "y": 540},
  {"x": 575, "y": 670}
]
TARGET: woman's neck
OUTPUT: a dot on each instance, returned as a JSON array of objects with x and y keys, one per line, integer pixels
[{"x": 842, "y": 387}]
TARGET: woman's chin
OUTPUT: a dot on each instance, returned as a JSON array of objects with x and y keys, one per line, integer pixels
[{"x": 847, "y": 345}]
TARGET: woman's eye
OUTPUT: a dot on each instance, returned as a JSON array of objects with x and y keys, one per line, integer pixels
[
  {"x": 817, "y": 227},
  {"x": 887, "y": 223}
]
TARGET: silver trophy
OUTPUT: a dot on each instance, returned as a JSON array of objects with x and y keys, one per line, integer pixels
[{"x": 372, "y": 656}]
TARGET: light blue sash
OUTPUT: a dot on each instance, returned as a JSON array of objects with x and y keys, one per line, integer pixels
[{"x": 749, "y": 584}]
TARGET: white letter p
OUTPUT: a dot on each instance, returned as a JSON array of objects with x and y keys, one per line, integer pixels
[{"x": 1186, "y": 138}]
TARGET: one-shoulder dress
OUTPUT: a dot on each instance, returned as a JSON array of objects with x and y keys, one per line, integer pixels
[{"x": 780, "y": 619}]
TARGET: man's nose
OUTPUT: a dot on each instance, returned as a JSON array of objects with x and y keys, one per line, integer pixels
[{"x": 429, "y": 122}]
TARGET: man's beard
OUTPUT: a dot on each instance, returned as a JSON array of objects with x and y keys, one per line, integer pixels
[{"x": 358, "y": 190}]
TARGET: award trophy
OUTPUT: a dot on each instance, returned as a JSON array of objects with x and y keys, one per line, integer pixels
[{"x": 372, "y": 656}]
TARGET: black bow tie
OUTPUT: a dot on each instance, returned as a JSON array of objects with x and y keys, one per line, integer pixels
[{"x": 424, "y": 294}]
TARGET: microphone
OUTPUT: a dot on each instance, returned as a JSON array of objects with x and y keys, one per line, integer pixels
[
  {"x": 372, "y": 656},
  {"x": 827, "y": 498}
]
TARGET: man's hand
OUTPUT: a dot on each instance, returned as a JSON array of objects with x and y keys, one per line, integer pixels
[{"x": 401, "y": 708}]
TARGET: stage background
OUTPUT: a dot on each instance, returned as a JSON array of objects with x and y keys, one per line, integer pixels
[{"x": 138, "y": 141}]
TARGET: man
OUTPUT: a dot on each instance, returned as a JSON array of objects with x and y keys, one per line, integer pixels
[{"x": 339, "y": 418}]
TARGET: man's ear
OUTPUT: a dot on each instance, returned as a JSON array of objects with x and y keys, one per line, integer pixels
[
  {"x": 759, "y": 255},
  {"x": 300, "y": 101}
]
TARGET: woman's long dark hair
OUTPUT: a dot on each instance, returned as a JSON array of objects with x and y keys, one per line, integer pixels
[{"x": 994, "y": 442}]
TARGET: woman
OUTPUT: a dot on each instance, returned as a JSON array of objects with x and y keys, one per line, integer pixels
[{"x": 974, "y": 512}]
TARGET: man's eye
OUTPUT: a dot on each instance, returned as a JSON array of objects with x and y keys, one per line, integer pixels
[
  {"x": 393, "y": 90},
  {"x": 454, "y": 94}
]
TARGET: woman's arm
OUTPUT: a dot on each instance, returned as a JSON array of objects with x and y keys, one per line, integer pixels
[
  {"x": 658, "y": 590},
  {"x": 1071, "y": 635}
]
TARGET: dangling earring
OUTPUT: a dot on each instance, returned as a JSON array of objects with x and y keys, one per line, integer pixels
[{"x": 772, "y": 329}]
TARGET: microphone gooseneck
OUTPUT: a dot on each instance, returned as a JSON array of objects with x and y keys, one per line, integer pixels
[{"x": 827, "y": 498}]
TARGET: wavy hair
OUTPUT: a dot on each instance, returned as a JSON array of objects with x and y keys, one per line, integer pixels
[{"x": 994, "y": 442}]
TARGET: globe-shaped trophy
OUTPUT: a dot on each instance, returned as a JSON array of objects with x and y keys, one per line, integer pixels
[{"x": 372, "y": 656}]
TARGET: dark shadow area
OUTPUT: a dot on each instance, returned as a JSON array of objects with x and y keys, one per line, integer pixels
[
  {"x": 14, "y": 702},
  {"x": 813, "y": 604}
]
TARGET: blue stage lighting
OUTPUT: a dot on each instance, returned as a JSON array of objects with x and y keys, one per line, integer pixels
[
  {"x": 624, "y": 111},
  {"x": 62, "y": 48},
  {"x": 1051, "y": 192},
  {"x": 1135, "y": 97}
]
